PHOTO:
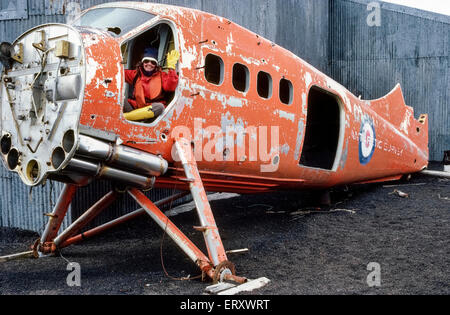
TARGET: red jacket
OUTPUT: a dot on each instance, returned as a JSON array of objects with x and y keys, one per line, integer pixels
[{"x": 150, "y": 89}]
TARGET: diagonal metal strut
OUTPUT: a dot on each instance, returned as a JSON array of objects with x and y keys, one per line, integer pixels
[
  {"x": 173, "y": 232},
  {"x": 208, "y": 226}
]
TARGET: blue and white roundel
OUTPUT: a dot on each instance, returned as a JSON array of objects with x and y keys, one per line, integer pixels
[{"x": 366, "y": 141}]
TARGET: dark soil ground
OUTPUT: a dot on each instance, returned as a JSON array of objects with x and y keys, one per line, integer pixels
[{"x": 301, "y": 248}]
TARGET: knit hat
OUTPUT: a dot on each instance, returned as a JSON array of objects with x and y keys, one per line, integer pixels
[{"x": 150, "y": 54}]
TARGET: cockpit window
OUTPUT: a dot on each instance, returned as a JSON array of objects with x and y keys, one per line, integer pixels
[{"x": 118, "y": 21}]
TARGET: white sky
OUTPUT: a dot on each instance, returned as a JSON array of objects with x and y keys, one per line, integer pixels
[{"x": 439, "y": 6}]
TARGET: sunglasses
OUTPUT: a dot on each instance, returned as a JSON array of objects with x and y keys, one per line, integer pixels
[{"x": 151, "y": 61}]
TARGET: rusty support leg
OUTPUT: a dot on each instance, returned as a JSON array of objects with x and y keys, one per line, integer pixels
[
  {"x": 77, "y": 238},
  {"x": 87, "y": 217},
  {"x": 173, "y": 232},
  {"x": 208, "y": 226},
  {"x": 58, "y": 214}
]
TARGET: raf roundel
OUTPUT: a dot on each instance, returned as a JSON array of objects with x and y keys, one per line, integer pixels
[{"x": 366, "y": 141}]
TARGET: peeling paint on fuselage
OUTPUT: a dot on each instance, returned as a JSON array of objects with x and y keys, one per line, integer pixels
[
  {"x": 199, "y": 34},
  {"x": 285, "y": 115},
  {"x": 308, "y": 79},
  {"x": 92, "y": 66},
  {"x": 404, "y": 126},
  {"x": 299, "y": 139},
  {"x": 285, "y": 149}
]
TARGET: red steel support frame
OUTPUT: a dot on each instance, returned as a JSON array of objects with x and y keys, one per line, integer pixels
[
  {"x": 50, "y": 241},
  {"x": 87, "y": 217},
  {"x": 214, "y": 266},
  {"x": 78, "y": 238}
]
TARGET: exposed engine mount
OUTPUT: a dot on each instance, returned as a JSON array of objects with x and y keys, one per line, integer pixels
[{"x": 42, "y": 97}]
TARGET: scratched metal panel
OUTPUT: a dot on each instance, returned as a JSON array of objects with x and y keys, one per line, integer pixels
[{"x": 410, "y": 47}]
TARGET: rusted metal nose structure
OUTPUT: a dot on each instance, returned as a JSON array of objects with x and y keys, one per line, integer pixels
[{"x": 214, "y": 265}]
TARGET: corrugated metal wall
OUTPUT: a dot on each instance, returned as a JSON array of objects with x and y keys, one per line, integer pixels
[
  {"x": 410, "y": 47},
  {"x": 25, "y": 208}
]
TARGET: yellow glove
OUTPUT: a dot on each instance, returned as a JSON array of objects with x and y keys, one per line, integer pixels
[
  {"x": 140, "y": 114},
  {"x": 172, "y": 59}
]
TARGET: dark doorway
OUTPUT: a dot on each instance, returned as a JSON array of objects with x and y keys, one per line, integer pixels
[{"x": 322, "y": 130}]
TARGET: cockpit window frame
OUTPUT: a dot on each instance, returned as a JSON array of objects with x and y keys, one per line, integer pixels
[
  {"x": 122, "y": 34},
  {"x": 129, "y": 37}
]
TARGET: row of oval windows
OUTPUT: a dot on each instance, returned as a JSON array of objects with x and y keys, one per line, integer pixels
[{"x": 214, "y": 73}]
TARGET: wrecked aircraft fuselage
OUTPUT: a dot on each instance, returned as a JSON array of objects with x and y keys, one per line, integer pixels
[{"x": 248, "y": 116}]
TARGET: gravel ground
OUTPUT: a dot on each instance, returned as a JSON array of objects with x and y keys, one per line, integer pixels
[{"x": 301, "y": 247}]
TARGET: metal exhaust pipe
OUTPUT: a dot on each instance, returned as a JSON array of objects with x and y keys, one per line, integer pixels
[
  {"x": 122, "y": 156},
  {"x": 110, "y": 173}
]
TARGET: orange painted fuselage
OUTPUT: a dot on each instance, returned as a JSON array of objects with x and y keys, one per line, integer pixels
[
  {"x": 302, "y": 129},
  {"x": 399, "y": 146}
]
